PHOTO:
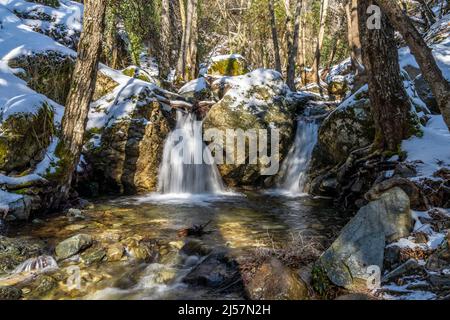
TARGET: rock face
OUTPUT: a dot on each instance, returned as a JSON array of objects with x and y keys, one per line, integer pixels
[
  {"x": 72, "y": 246},
  {"x": 257, "y": 100},
  {"x": 48, "y": 73},
  {"x": 274, "y": 281},
  {"x": 124, "y": 155},
  {"x": 228, "y": 65},
  {"x": 347, "y": 128},
  {"x": 25, "y": 133},
  {"x": 362, "y": 241}
]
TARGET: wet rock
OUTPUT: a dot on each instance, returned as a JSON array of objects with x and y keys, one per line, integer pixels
[
  {"x": 43, "y": 285},
  {"x": 115, "y": 252},
  {"x": 10, "y": 293},
  {"x": 217, "y": 271},
  {"x": 137, "y": 249},
  {"x": 274, "y": 281},
  {"x": 263, "y": 104},
  {"x": 409, "y": 267},
  {"x": 14, "y": 251},
  {"x": 72, "y": 246},
  {"x": 75, "y": 214},
  {"x": 195, "y": 247},
  {"x": 362, "y": 241},
  {"x": 93, "y": 255}
]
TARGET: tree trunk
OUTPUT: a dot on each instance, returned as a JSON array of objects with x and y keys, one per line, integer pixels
[
  {"x": 273, "y": 27},
  {"x": 165, "y": 40},
  {"x": 82, "y": 90},
  {"x": 353, "y": 35},
  {"x": 181, "y": 65},
  {"x": 389, "y": 102},
  {"x": 423, "y": 54},
  {"x": 293, "y": 49},
  {"x": 193, "y": 57},
  {"x": 320, "y": 37}
]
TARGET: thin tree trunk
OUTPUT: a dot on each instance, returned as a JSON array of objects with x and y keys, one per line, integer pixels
[
  {"x": 193, "y": 57},
  {"x": 181, "y": 66},
  {"x": 320, "y": 37},
  {"x": 165, "y": 40},
  {"x": 293, "y": 49},
  {"x": 423, "y": 54},
  {"x": 353, "y": 35},
  {"x": 82, "y": 90},
  {"x": 276, "y": 46},
  {"x": 388, "y": 100}
]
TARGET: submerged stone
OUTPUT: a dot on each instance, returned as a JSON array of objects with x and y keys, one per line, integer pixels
[{"x": 72, "y": 246}]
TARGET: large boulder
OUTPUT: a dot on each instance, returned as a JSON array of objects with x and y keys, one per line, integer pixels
[
  {"x": 347, "y": 128},
  {"x": 274, "y": 281},
  {"x": 362, "y": 241},
  {"x": 258, "y": 101},
  {"x": 227, "y": 65},
  {"x": 126, "y": 135},
  {"x": 49, "y": 73},
  {"x": 26, "y": 126}
]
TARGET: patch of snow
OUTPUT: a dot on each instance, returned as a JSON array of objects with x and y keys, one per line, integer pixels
[
  {"x": 226, "y": 57},
  {"x": 6, "y": 198},
  {"x": 432, "y": 151},
  {"x": 196, "y": 85}
]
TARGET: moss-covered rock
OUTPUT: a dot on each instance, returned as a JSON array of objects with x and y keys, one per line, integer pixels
[
  {"x": 228, "y": 65},
  {"x": 256, "y": 101},
  {"x": 14, "y": 251},
  {"x": 138, "y": 73},
  {"x": 124, "y": 156},
  {"x": 347, "y": 128},
  {"x": 103, "y": 86},
  {"x": 25, "y": 134},
  {"x": 49, "y": 73}
]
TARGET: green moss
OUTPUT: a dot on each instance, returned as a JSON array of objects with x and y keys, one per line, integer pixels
[
  {"x": 63, "y": 166},
  {"x": 24, "y": 137},
  {"x": 322, "y": 286},
  {"x": 48, "y": 73},
  {"x": 134, "y": 72},
  {"x": 228, "y": 67}
]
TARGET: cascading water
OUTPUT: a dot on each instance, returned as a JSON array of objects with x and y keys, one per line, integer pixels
[
  {"x": 187, "y": 165},
  {"x": 295, "y": 166}
]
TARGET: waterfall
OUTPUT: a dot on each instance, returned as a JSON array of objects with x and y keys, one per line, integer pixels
[
  {"x": 187, "y": 165},
  {"x": 295, "y": 166}
]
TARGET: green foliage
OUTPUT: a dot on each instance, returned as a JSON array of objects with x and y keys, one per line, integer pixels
[{"x": 140, "y": 19}]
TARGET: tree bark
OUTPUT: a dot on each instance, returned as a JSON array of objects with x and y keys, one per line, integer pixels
[
  {"x": 353, "y": 35},
  {"x": 165, "y": 40},
  {"x": 276, "y": 45},
  {"x": 193, "y": 57},
  {"x": 389, "y": 102},
  {"x": 423, "y": 54},
  {"x": 181, "y": 65},
  {"x": 82, "y": 89},
  {"x": 293, "y": 49},
  {"x": 320, "y": 37}
]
